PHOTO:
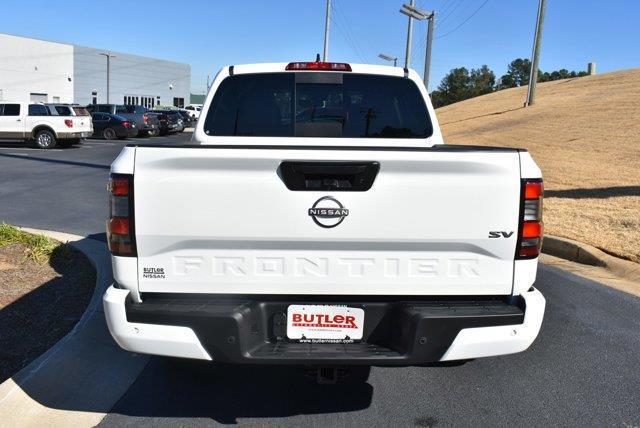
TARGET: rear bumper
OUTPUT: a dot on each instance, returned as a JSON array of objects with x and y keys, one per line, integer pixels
[
  {"x": 253, "y": 331},
  {"x": 73, "y": 135}
]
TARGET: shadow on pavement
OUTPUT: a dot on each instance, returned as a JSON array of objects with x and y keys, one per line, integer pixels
[
  {"x": 102, "y": 237},
  {"x": 600, "y": 193},
  {"x": 183, "y": 388},
  {"x": 57, "y": 161},
  {"x": 20, "y": 144}
]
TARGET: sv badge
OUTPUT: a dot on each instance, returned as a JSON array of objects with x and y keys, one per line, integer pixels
[{"x": 500, "y": 234}]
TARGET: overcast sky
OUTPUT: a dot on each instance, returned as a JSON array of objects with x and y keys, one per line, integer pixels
[{"x": 211, "y": 34}]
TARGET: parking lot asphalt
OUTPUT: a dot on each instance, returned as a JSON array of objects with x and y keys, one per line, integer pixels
[
  {"x": 62, "y": 189},
  {"x": 582, "y": 370}
]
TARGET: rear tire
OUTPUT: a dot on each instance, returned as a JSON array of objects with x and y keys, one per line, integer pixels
[
  {"x": 109, "y": 134},
  {"x": 45, "y": 139},
  {"x": 153, "y": 133}
]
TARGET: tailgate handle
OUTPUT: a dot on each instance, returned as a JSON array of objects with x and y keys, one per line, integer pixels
[{"x": 329, "y": 175}]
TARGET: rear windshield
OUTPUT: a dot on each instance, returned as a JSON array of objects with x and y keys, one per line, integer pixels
[
  {"x": 81, "y": 111},
  {"x": 121, "y": 109},
  {"x": 339, "y": 105}
]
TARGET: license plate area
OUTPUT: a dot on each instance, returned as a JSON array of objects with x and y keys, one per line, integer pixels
[{"x": 330, "y": 323}]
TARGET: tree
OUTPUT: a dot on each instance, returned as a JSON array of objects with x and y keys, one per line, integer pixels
[
  {"x": 483, "y": 81},
  {"x": 454, "y": 87},
  {"x": 517, "y": 74},
  {"x": 460, "y": 84}
]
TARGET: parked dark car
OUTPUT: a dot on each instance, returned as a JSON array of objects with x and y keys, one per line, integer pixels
[
  {"x": 111, "y": 126},
  {"x": 149, "y": 126},
  {"x": 187, "y": 119},
  {"x": 133, "y": 115},
  {"x": 179, "y": 119},
  {"x": 169, "y": 121},
  {"x": 152, "y": 124}
]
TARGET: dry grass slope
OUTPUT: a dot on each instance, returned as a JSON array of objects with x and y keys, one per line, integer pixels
[{"x": 585, "y": 135}]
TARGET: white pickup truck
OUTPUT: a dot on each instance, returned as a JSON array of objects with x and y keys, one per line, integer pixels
[
  {"x": 46, "y": 125},
  {"x": 317, "y": 218}
]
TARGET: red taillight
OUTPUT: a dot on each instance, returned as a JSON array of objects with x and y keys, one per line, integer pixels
[
  {"x": 531, "y": 227},
  {"x": 533, "y": 189},
  {"x": 145, "y": 117},
  {"x": 126, "y": 124},
  {"x": 324, "y": 66},
  {"x": 69, "y": 123},
  {"x": 119, "y": 226},
  {"x": 120, "y": 230},
  {"x": 118, "y": 185}
]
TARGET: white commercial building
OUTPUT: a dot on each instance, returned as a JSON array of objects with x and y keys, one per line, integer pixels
[{"x": 42, "y": 71}]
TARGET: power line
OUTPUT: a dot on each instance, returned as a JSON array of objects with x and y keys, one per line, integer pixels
[
  {"x": 349, "y": 31},
  {"x": 343, "y": 26},
  {"x": 446, "y": 16},
  {"x": 465, "y": 21},
  {"x": 347, "y": 39}
]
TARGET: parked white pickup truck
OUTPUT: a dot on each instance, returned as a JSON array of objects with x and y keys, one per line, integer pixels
[
  {"x": 317, "y": 218},
  {"x": 44, "y": 124}
]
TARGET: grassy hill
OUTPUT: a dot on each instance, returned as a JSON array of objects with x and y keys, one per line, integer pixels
[{"x": 585, "y": 135}]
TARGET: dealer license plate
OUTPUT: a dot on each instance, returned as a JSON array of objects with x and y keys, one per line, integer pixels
[{"x": 324, "y": 322}]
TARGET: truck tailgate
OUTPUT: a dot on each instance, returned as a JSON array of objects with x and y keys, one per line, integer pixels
[
  {"x": 83, "y": 124},
  {"x": 221, "y": 220}
]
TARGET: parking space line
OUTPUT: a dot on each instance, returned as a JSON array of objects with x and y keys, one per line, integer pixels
[
  {"x": 17, "y": 148},
  {"x": 26, "y": 151}
]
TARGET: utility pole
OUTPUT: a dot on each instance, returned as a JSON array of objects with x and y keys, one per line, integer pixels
[
  {"x": 407, "y": 55},
  {"x": 327, "y": 24},
  {"x": 109, "y": 56},
  {"x": 415, "y": 13},
  {"x": 537, "y": 41},
  {"x": 427, "y": 56},
  {"x": 207, "y": 83}
]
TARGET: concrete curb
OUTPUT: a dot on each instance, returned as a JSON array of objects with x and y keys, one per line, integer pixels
[
  {"x": 575, "y": 251},
  {"x": 79, "y": 380}
]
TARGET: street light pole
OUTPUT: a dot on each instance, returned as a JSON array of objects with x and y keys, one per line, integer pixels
[
  {"x": 327, "y": 24},
  {"x": 535, "y": 60},
  {"x": 109, "y": 56},
  {"x": 415, "y": 13},
  {"x": 389, "y": 58}
]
